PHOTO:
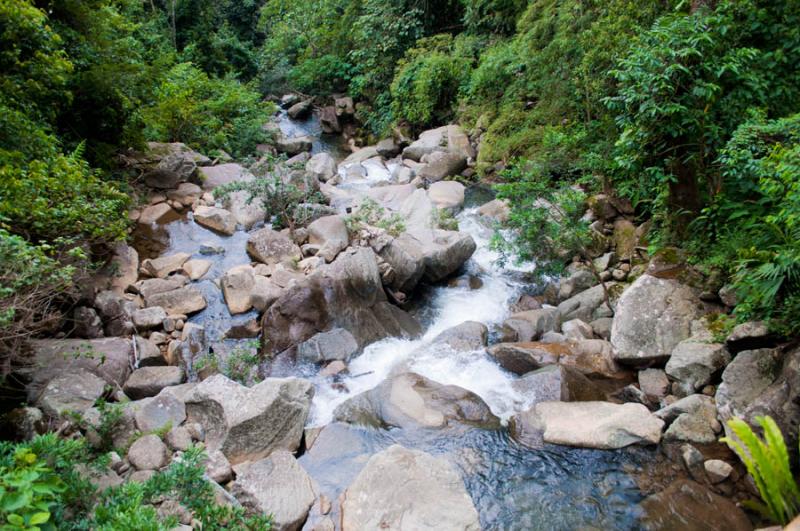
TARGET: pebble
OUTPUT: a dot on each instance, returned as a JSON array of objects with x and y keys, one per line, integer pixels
[
  {"x": 210, "y": 248},
  {"x": 717, "y": 470}
]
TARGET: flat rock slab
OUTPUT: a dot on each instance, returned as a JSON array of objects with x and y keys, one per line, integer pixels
[
  {"x": 184, "y": 301},
  {"x": 689, "y": 505},
  {"x": 600, "y": 425},
  {"x": 149, "y": 381},
  {"x": 213, "y": 176},
  {"x": 408, "y": 489}
]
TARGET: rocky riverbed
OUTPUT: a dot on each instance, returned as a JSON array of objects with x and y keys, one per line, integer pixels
[{"x": 383, "y": 371}]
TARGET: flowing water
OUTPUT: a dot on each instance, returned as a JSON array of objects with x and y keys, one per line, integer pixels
[{"x": 513, "y": 487}]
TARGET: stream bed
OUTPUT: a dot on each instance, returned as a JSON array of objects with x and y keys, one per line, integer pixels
[{"x": 512, "y": 486}]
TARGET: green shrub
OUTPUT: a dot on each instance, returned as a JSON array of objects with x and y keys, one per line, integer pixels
[
  {"x": 207, "y": 113},
  {"x": 767, "y": 462},
  {"x": 428, "y": 79},
  {"x": 28, "y": 489},
  {"x": 370, "y": 214}
]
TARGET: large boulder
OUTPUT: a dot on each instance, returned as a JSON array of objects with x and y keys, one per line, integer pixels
[
  {"x": 451, "y": 138},
  {"x": 691, "y": 419},
  {"x": 469, "y": 335},
  {"x": 588, "y": 305},
  {"x": 444, "y": 252},
  {"x": 442, "y": 164},
  {"x": 557, "y": 383},
  {"x": 148, "y": 453},
  {"x": 408, "y": 489},
  {"x": 405, "y": 255},
  {"x": 171, "y": 170},
  {"x": 330, "y": 234},
  {"x": 447, "y": 194},
  {"x": 592, "y": 357},
  {"x": 237, "y": 285},
  {"x": 149, "y": 381},
  {"x": 321, "y": 166},
  {"x": 529, "y": 325},
  {"x": 693, "y": 362},
  {"x": 107, "y": 358},
  {"x": 336, "y": 344},
  {"x": 186, "y": 300},
  {"x": 409, "y": 400},
  {"x": 186, "y": 194},
  {"x": 328, "y": 120},
  {"x": 164, "y": 265},
  {"x": 151, "y": 286},
  {"x": 74, "y": 391},
  {"x": 216, "y": 219},
  {"x": 245, "y": 423},
  {"x": 689, "y": 505},
  {"x": 214, "y": 176},
  {"x": 601, "y": 425},
  {"x": 277, "y": 486},
  {"x": 271, "y": 247},
  {"x": 301, "y": 110},
  {"x": 122, "y": 269},
  {"x": 245, "y": 210},
  {"x": 652, "y": 316},
  {"x": 158, "y": 214},
  {"x": 762, "y": 382},
  {"x": 293, "y": 146},
  {"x": 348, "y": 294}
]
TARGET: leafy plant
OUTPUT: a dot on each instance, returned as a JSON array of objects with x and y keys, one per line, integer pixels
[
  {"x": 370, "y": 214},
  {"x": 28, "y": 490},
  {"x": 442, "y": 218},
  {"x": 767, "y": 462}
]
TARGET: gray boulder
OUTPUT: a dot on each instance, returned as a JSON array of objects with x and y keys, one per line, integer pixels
[
  {"x": 447, "y": 195},
  {"x": 347, "y": 293},
  {"x": 694, "y": 362},
  {"x": 451, "y": 138},
  {"x": 245, "y": 211},
  {"x": 245, "y": 423},
  {"x": 653, "y": 315},
  {"x": 74, "y": 391},
  {"x": 601, "y": 425},
  {"x": 300, "y": 110},
  {"x": 148, "y": 453},
  {"x": 271, "y": 247},
  {"x": 164, "y": 265},
  {"x": 148, "y": 318},
  {"x": 409, "y": 400},
  {"x": 529, "y": 325},
  {"x": 149, "y": 381},
  {"x": 469, "y": 335},
  {"x": 408, "y": 489},
  {"x": 293, "y": 146},
  {"x": 557, "y": 383},
  {"x": 213, "y": 176},
  {"x": 216, "y": 219},
  {"x": 277, "y": 486},
  {"x": 330, "y": 234},
  {"x": 587, "y": 305},
  {"x": 183, "y": 301},
  {"x": 322, "y": 166},
  {"x": 592, "y": 357},
  {"x": 336, "y": 344},
  {"x": 442, "y": 164}
]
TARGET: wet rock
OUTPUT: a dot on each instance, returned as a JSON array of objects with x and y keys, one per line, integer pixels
[
  {"x": 148, "y": 318},
  {"x": 497, "y": 210},
  {"x": 688, "y": 505},
  {"x": 348, "y": 293},
  {"x": 409, "y": 400},
  {"x": 293, "y": 146},
  {"x": 444, "y": 252},
  {"x": 75, "y": 391},
  {"x": 322, "y": 167},
  {"x": 407, "y": 489},
  {"x": 186, "y": 301},
  {"x": 592, "y": 357},
  {"x": 333, "y": 368},
  {"x": 148, "y": 453},
  {"x": 406, "y": 257},
  {"x": 149, "y": 381},
  {"x": 694, "y": 362},
  {"x": 249, "y": 423},
  {"x": 601, "y": 425},
  {"x": 335, "y": 344},
  {"x": 196, "y": 268},
  {"x": 271, "y": 247},
  {"x": 653, "y": 315},
  {"x": 557, "y": 383},
  {"x": 447, "y": 195},
  {"x": 159, "y": 213},
  {"x": 237, "y": 285},
  {"x": 216, "y": 219},
  {"x": 330, "y": 234},
  {"x": 213, "y": 176},
  {"x": 277, "y": 486},
  {"x": 164, "y": 265},
  {"x": 466, "y": 281},
  {"x": 469, "y": 335},
  {"x": 301, "y": 109}
]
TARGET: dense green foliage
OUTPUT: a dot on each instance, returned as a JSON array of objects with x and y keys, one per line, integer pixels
[
  {"x": 44, "y": 484},
  {"x": 767, "y": 462}
]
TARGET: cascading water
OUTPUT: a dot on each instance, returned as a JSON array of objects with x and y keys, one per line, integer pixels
[{"x": 447, "y": 307}]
